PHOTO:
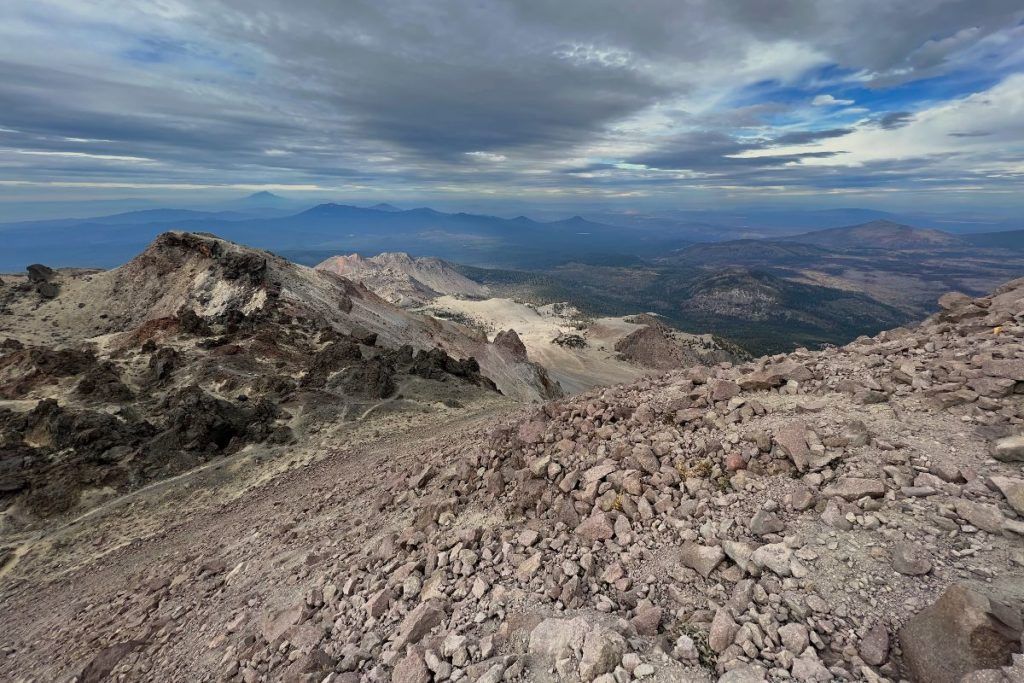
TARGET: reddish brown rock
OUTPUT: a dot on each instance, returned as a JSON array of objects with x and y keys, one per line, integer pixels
[{"x": 963, "y": 631}]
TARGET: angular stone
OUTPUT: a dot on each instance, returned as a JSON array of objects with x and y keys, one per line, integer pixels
[
  {"x": 1012, "y": 490},
  {"x": 963, "y": 631},
  {"x": 1010, "y": 368},
  {"x": 558, "y": 638},
  {"x": 411, "y": 669},
  {"x": 528, "y": 567},
  {"x": 645, "y": 457},
  {"x": 748, "y": 673},
  {"x": 647, "y": 621},
  {"x": 596, "y": 528},
  {"x": 723, "y": 631},
  {"x": 773, "y": 556},
  {"x": 795, "y": 637},
  {"x": 739, "y": 553},
  {"x": 951, "y": 300},
  {"x": 874, "y": 646},
  {"x": 599, "y": 472},
  {"x": 1009, "y": 449},
  {"x": 274, "y": 624},
  {"x": 106, "y": 659},
  {"x": 378, "y": 603},
  {"x": 911, "y": 559},
  {"x": 985, "y": 517},
  {"x": 602, "y": 652},
  {"x": 723, "y": 390},
  {"x": 765, "y": 522},
  {"x": 855, "y": 488},
  {"x": 792, "y": 439},
  {"x": 531, "y": 432},
  {"x": 419, "y": 622},
  {"x": 701, "y": 558},
  {"x": 810, "y": 670}
]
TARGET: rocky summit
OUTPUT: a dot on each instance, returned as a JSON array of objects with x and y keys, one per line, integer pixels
[{"x": 849, "y": 514}]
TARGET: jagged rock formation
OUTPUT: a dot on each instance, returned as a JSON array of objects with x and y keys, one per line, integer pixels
[
  {"x": 404, "y": 280},
  {"x": 198, "y": 348},
  {"x": 793, "y": 517}
]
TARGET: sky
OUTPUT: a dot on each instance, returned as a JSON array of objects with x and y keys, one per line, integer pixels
[{"x": 658, "y": 103}]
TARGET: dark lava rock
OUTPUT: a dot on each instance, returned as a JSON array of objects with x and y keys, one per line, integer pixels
[
  {"x": 435, "y": 364},
  {"x": 373, "y": 379},
  {"x": 190, "y": 322},
  {"x": 103, "y": 383},
  {"x": 198, "y": 421},
  {"x": 33, "y": 366},
  {"x": 510, "y": 341},
  {"x": 37, "y": 272},
  {"x": 570, "y": 341},
  {"x": 248, "y": 265},
  {"x": 363, "y": 336},
  {"x": 47, "y": 290},
  {"x": 332, "y": 358},
  {"x": 162, "y": 364}
]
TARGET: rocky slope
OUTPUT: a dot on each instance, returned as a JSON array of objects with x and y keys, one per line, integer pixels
[
  {"x": 850, "y": 514},
  {"x": 581, "y": 352},
  {"x": 404, "y": 280},
  {"x": 199, "y": 348}
]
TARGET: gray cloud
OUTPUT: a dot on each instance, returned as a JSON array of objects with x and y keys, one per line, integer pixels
[
  {"x": 895, "y": 119},
  {"x": 396, "y": 94}
]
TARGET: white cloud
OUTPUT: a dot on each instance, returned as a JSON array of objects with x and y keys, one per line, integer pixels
[
  {"x": 982, "y": 130},
  {"x": 829, "y": 101},
  {"x": 487, "y": 156}
]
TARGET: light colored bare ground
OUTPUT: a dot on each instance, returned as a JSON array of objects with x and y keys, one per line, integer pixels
[{"x": 575, "y": 369}]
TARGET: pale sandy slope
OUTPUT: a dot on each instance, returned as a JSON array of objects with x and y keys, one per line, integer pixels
[{"x": 575, "y": 369}]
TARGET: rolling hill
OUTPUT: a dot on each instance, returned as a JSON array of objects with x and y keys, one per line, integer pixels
[{"x": 879, "y": 234}]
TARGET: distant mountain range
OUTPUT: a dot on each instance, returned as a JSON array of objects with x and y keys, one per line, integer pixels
[
  {"x": 327, "y": 229},
  {"x": 311, "y": 235}
]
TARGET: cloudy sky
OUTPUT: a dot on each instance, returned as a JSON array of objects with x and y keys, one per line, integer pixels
[{"x": 667, "y": 103}]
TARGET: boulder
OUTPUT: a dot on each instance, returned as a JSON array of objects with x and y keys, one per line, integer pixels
[
  {"x": 602, "y": 652},
  {"x": 1008, "y": 449},
  {"x": 411, "y": 669},
  {"x": 596, "y": 528},
  {"x": 985, "y": 517},
  {"x": 723, "y": 631},
  {"x": 911, "y": 559},
  {"x": 963, "y": 631},
  {"x": 874, "y": 646},
  {"x": 792, "y": 440},
  {"x": 1012, "y": 490},
  {"x": 106, "y": 659},
  {"x": 419, "y": 622},
  {"x": 555, "y": 639},
  {"x": 701, "y": 558},
  {"x": 855, "y": 488}
]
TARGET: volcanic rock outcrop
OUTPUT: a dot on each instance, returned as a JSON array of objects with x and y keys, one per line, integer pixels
[{"x": 199, "y": 347}]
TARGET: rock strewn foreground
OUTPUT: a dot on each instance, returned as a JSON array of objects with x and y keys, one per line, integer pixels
[{"x": 850, "y": 514}]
